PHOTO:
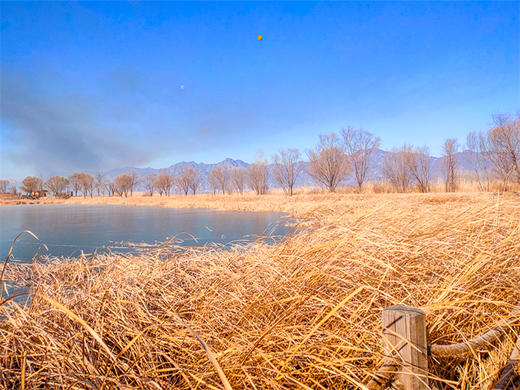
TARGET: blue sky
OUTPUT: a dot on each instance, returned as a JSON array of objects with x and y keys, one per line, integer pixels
[{"x": 111, "y": 84}]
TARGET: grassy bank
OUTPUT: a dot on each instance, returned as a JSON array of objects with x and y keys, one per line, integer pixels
[
  {"x": 246, "y": 202},
  {"x": 302, "y": 204},
  {"x": 304, "y": 313}
]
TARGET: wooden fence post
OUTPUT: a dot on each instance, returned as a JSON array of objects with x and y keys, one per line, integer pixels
[{"x": 404, "y": 337}]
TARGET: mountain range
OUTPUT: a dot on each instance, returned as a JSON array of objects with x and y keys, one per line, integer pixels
[{"x": 464, "y": 160}]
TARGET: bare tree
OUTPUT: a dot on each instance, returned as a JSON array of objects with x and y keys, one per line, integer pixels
[
  {"x": 164, "y": 183},
  {"x": 213, "y": 182},
  {"x": 122, "y": 184},
  {"x": 287, "y": 168},
  {"x": 74, "y": 180},
  {"x": 134, "y": 181},
  {"x": 86, "y": 181},
  {"x": 111, "y": 188},
  {"x": 219, "y": 177},
  {"x": 449, "y": 164},
  {"x": 396, "y": 169},
  {"x": 57, "y": 184},
  {"x": 150, "y": 183},
  {"x": 183, "y": 183},
  {"x": 238, "y": 178},
  {"x": 328, "y": 162},
  {"x": 257, "y": 177},
  {"x": 418, "y": 163},
  {"x": 31, "y": 184},
  {"x": 188, "y": 180},
  {"x": 4, "y": 184},
  {"x": 476, "y": 143},
  {"x": 359, "y": 146},
  {"x": 504, "y": 148},
  {"x": 195, "y": 182},
  {"x": 100, "y": 183}
]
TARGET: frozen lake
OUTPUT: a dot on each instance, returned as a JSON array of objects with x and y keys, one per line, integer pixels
[{"x": 68, "y": 229}]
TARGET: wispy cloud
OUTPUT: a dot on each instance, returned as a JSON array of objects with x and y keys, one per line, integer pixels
[
  {"x": 59, "y": 131},
  {"x": 125, "y": 118}
]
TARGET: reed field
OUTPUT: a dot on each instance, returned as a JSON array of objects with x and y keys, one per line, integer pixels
[{"x": 302, "y": 313}]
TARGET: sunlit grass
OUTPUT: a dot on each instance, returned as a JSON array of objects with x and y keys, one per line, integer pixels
[{"x": 303, "y": 313}]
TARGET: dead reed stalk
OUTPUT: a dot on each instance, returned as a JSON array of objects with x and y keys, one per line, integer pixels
[{"x": 303, "y": 313}]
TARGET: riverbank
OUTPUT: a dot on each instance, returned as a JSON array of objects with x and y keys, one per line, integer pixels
[{"x": 303, "y": 313}]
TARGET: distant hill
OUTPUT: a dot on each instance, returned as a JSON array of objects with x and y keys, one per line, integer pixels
[
  {"x": 375, "y": 169},
  {"x": 203, "y": 168}
]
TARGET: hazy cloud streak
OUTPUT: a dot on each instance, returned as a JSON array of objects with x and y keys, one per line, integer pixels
[{"x": 59, "y": 132}]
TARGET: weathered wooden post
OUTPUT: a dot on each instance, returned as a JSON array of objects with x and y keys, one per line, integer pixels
[{"x": 404, "y": 337}]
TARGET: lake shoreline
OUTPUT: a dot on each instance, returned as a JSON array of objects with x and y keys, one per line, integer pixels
[
  {"x": 299, "y": 205},
  {"x": 68, "y": 229}
]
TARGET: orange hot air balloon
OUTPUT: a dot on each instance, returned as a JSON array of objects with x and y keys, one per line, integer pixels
[{"x": 260, "y": 38}]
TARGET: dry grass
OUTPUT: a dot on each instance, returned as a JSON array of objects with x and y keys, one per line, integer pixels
[
  {"x": 304, "y": 313},
  {"x": 247, "y": 202}
]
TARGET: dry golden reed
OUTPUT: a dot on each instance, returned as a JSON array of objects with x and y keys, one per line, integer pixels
[{"x": 303, "y": 313}]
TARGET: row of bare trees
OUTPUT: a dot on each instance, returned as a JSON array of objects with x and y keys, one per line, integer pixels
[
  {"x": 408, "y": 166},
  {"x": 286, "y": 168},
  {"x": 495, "y": 156},
  {"x": 59, "y": 185},
  {"x": 78, "y": 183},
  {"x": 336, "y": 156},
  {"x": 163, "y": 183},
  {"x": 188, "y": 181},
  {"x": 496, "y": 152},
  {"x": 224, "y": 179},
  {"x": 330, "y": 162}
]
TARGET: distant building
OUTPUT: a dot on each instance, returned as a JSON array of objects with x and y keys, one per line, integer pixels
[{"x": 40, "y": 193}]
